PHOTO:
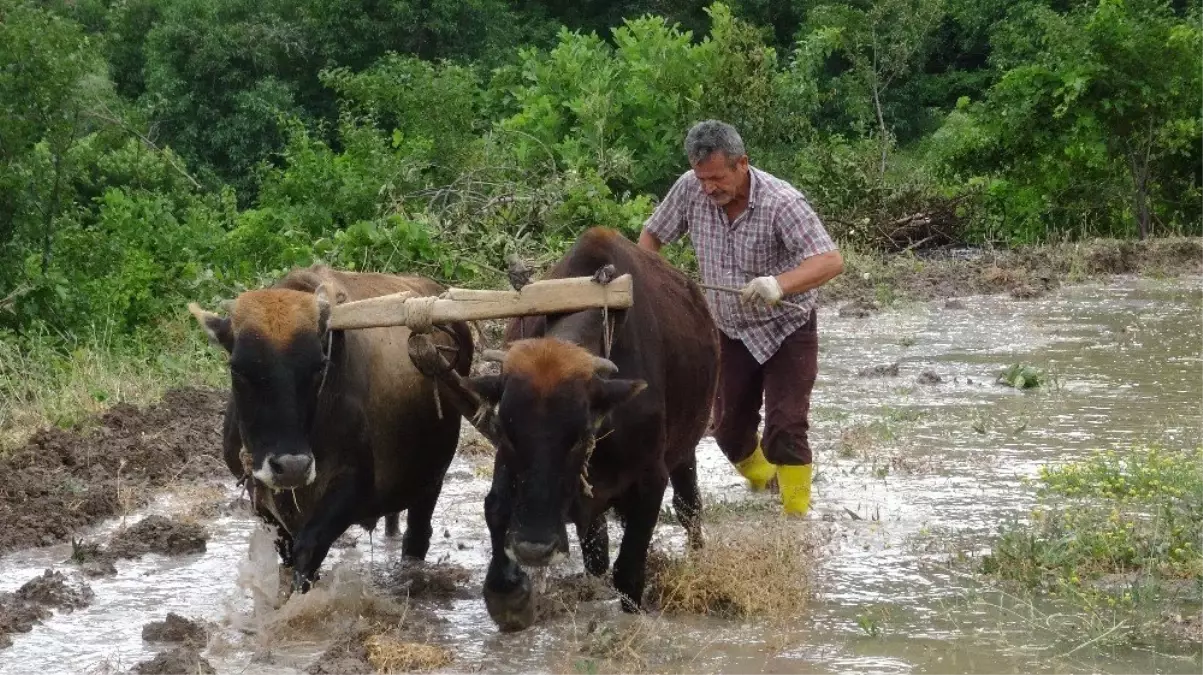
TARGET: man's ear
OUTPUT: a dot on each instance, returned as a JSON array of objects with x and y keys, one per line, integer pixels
[
  {"x": 488, "y": 387},
  {"x": 605, "y": 395},
  {"x": 216, "y": 327}
]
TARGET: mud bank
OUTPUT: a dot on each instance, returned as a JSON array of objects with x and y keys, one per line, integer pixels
[
  {"x": 63, "y": 480},
  {"x": 1023, "y": 273}
]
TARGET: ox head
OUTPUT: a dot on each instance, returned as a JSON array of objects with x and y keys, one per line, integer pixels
[
  {"x": 278, "y": 344},
  {"x": 551, "y": 396}
]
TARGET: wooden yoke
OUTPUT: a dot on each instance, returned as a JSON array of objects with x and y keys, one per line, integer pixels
[{"x": 551, "y": 296}]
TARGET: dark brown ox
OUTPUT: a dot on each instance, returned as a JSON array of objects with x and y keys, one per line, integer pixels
[
  {"x": 579, "y": 433},
  {"x": 333, "y": 428}
]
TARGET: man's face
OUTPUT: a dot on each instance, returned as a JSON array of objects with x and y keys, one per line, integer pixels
[{"x": 722, "y": 177}]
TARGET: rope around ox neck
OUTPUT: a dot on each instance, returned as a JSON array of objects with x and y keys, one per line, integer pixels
[{"x": 419, "y": 313}]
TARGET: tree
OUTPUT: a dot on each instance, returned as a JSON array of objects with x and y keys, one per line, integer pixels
[
  {"x": 1096, "y": 116},
  {"x": 53, "y": 75},
  {"x": 881, "y": 41}
]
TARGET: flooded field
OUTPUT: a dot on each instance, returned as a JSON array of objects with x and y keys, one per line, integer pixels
[{"x": 913, "y": 470}]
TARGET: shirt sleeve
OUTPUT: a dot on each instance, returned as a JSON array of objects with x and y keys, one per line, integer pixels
[
  {"x": 668, "y": 222},
  {"x": 802, "y": 231}
]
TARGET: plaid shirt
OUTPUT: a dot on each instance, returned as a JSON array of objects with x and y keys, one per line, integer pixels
[{"x": 774, "y": 234}]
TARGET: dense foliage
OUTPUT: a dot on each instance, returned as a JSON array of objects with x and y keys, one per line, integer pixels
[{"x": 154, "y": 151}]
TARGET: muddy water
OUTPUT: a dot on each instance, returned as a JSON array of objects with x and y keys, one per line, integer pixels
[{"x": 937, "y": 469}]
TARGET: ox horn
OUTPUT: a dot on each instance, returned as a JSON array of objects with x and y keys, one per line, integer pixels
[
  {"x": 494, "y": 355},
  {"x": 604, "y": 366}
]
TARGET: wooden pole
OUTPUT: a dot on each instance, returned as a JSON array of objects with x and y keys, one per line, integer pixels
[{"x": 541, "y": 297}]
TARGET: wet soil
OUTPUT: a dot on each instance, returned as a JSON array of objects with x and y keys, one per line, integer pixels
[
  {"x": 64, "y": 480},
  {"x": 31, "y": 604},
  {"x": 1187, "y": 627},
  {"x": 157, "y": 534},
  {"x": 175, "y": 661},
  {"x": 347, "y": 655},
  {"x": 176, "y": 629}
]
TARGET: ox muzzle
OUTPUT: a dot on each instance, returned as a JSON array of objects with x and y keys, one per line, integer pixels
[{"x": 286, "y": 471}]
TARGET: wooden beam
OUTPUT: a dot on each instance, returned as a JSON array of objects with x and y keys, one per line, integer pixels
[{"x": 541, "y": 297}]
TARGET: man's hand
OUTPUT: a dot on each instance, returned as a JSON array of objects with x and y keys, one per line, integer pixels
[{"x": 762, "y": 289}]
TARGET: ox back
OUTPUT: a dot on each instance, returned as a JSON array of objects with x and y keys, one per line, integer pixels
[
  {"x": 377, "y": 439},
  {"x": 667, "y": 340}
]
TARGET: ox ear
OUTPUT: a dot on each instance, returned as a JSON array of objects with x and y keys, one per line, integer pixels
[
  {"x": 608, "y": 394},
  {"x": 488, "y": 387},
  {"x": 216, "y": 327}
]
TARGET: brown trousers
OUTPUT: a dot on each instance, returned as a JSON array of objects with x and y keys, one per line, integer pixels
[{"x": 784, "y": 382}]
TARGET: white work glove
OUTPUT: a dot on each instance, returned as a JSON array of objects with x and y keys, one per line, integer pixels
[{"x": 762, "y": 289}]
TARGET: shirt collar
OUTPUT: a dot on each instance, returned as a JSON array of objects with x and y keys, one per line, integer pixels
[{"x": 754, "y": 188}]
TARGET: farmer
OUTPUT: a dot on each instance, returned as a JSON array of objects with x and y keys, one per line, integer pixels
[{"x": 754, "y": 232}]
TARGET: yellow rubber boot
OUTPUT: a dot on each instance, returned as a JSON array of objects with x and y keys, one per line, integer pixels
[
  {"x": 795, "y": 488},
  {"x": 758, "y": 470}
]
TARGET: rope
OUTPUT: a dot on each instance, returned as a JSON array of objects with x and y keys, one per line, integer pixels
[
  {"x": 590, "y": 443},
  {"x": 419, "y": 313},
  {"x": 607, "y": 327}
]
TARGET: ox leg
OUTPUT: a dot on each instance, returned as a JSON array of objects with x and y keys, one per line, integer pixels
[
  {"x": 507, "y": 588},
  {"x": 640, "y": 508},
  {"x": 392, "y": 525},
  {"x": 333, "y": 514},
  {"x": 418, "y": 529},
  {"x": 687, "y": 500},
  {"x": 595, "y": 545}
]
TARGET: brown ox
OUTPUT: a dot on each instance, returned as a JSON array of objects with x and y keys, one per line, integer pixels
[
  {"x": 338, "y": 427},
  {"x": 579, "y": 433}
]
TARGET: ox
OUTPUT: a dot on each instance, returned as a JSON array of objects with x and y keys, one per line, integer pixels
[
  {"x": 333, "y": 428},
  {"x": 580, "y": 432}
]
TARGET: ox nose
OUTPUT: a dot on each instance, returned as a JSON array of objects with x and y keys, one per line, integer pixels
[
  {"x": 289, "y": 471},
  {"x": 534, "y": 553}
]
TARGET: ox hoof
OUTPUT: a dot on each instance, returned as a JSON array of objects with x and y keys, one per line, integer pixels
[
  {"x": 301, "y": 583},
  {"x": 512, "y": 611}
]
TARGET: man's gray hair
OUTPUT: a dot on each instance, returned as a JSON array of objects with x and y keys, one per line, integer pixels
[{"x": 711, "y": 136}]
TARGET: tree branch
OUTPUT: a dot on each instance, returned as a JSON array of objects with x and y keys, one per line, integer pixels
[{"x": 111, "y": 118}]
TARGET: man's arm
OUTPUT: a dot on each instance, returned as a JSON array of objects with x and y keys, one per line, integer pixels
[
  {"x": 648, "y": 241},
  {"x": 667, "y": 223},
  {"x": 812, "y": 273},
  {"x": 801, "y": 230}
]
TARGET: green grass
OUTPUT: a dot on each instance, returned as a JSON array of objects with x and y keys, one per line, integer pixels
[
  {"x": 1022, "y": 376},
  {"x": 65, "y": 381},
  {"x": 1117, "y": 534}
]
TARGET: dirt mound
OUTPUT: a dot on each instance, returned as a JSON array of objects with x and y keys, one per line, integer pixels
[
  {"x": 63, "y": 480},
  {"x": 859, "y": 309},
  {"x": 929, "y": 377},
  {"x": 176, "y": 629},
  {"x": 20, "y": 611},
  {"x": 156, "y": 534},
  {"x": 178, "y": 660},
  {"x": 347, "y": 655},
  {"x": 92, "y": 560},
  {"x": 564, "y": 595},
  {"x": 373, "y": 647},
  {"x": 51, "y": 590},
  {"x": 884, "y": 370},
  {"x": 422, "y": 581}
]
